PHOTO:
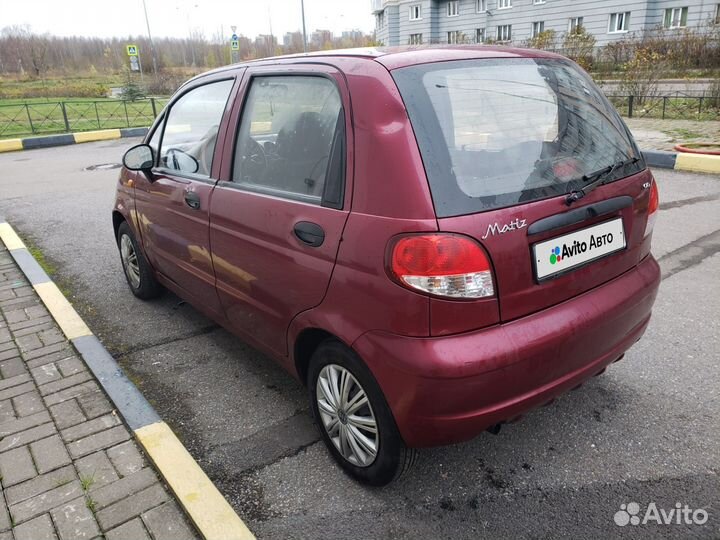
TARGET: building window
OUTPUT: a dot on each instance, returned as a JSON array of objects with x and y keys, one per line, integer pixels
[
  {"x": 453, "y": 9},
  {"x": 717, "y": 14},
  {"x": 575, "y": 24},
  {"x": 504, "y": 4},
  {"x": 481, "y": 6},
  {"x": 504, "y": 32},
  {"x": 538, "y": 28},
  {"x": 619, "y": 22},
  {"x": 415, "y": 39},
  {"x": 381, "y": 19},
  {"x": 415, "y": 12},
  {"x": 480, "y": 35},
  {"x": 455, "y": 37},
  {"x": 538, "y": 2},
  {"x": 676, "y": 17}
]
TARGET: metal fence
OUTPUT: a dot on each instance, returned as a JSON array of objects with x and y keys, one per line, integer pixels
[
  {"x": 676, "y": 106},
  {"x": 71, "y": 116}
]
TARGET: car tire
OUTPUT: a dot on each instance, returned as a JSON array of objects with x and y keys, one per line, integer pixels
[
  {"x": 347, "y": 429},
  {"x": 137, "y": 270}
]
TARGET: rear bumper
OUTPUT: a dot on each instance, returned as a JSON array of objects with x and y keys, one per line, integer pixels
[{"x": 449, "y": 389}]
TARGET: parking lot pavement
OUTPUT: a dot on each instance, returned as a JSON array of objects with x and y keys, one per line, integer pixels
[
  {"x": 647, "y": 431},
  {"x": 69, "y": 467}
]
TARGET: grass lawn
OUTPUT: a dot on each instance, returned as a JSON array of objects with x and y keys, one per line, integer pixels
[{"x": 22, "y": 118}]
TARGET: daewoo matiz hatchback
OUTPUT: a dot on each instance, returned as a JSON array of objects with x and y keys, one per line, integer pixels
[{"x": 433, "y": 240}]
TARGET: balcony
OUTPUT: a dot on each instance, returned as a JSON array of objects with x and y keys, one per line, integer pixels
[{"x": 377, "y": 5}]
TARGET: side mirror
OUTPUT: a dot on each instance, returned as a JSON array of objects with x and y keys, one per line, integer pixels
[{"x": 140, "y": 158}]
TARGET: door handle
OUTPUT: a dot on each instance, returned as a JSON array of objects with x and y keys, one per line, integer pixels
[
  {"x": 309, "y": 233},
  {"x": 192, "y": 200}
]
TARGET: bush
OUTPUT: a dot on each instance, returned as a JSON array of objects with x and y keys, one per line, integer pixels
[
  {"x": 714, "y": 92},
  {"x": 642, "y": 73},
  {"x": 544, "y": 40},
  {"x": 70, "y": 90},
  {"x": 616, "y": 53},
  {"x": 165, "y": 83},
  {"x": 579, "y": 45}
]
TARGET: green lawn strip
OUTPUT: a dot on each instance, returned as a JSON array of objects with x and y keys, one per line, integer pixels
[{"x": 83, "y": 115}]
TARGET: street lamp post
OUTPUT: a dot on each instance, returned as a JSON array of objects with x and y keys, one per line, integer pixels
[
  {"x": 302, "y": 7},
  {"x": 152, "y": 47}
]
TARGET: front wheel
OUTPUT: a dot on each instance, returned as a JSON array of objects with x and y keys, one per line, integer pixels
[
  {"x": 137, "y": 270},
  {"x": 355, "y": 420}
]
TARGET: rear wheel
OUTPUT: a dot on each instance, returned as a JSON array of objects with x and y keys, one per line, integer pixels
[
  {"x": 137, "y": 270},
  {"x": 355, "y": 421}
]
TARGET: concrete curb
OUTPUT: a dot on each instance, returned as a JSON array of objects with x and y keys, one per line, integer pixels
[
  {"x": 201, "y": 500},
  {"x": 29, "y": 143},
  {"x": 680, "y": 161}
]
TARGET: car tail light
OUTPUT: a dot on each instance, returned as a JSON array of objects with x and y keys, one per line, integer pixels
[
  {"x": 446, "y": 265},
  {"x": 653, "y": 207}
]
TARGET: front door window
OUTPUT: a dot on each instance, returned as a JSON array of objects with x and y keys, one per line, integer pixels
[{"x": 188, "y": 142}]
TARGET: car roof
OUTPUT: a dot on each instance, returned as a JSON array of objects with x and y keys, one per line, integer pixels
[{"x": 397, "y": 57}]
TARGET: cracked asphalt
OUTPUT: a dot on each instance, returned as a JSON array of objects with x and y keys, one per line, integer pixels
[{"x": 648, "y": 430}]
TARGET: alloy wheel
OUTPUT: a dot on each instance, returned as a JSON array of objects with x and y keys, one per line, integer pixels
[
  {"x": 130, "y": 260},
  {"x": 347, "y": 415}
]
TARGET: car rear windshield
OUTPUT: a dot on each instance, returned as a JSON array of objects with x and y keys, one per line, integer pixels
[{"x": 500, "y": 132}]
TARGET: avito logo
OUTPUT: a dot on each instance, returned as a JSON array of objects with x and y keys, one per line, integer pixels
[{"x": 557, "y": 254}]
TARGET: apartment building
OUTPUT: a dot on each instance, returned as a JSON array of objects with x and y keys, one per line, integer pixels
[{"x": 410, "y": 22}]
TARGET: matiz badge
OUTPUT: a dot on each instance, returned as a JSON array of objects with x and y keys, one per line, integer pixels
[{"x": 495, "y": 228}]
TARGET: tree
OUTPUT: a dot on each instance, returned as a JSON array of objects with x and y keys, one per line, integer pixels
[
  {"x": 38, "y": 54},
  {"x": 131, "y": 91}
]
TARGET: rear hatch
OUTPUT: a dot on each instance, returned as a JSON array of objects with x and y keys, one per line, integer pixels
[{"x": 504, "y": 141}]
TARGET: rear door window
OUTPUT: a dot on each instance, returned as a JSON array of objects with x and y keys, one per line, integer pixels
[
  {"x": 499, "y": 132},
  {"x": 291, "y": 139}
]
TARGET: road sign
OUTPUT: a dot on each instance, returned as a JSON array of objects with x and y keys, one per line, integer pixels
[
  {"x": 235, "y": 45},
  {"x": 134, "y": 64},
  {"x": 132, "y": 50},
  {"x": 234, "y": 37}
]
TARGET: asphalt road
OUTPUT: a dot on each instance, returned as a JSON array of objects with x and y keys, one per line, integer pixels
[{"x": 646, "y": 431}]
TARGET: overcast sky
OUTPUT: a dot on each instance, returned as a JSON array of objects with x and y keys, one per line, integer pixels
[{"x": 175, "y": 17}]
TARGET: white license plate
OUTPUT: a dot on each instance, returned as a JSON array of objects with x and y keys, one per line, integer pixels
[{"x": 564, "y": 253}]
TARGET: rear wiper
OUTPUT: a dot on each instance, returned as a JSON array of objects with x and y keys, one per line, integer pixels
[{"x": 597, "y": 179}]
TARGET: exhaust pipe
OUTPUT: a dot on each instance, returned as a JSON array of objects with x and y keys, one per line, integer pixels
[{"x": 494, "y": 429}]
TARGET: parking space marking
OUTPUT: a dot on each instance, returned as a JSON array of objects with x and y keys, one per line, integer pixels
[{"x": 205, "y": 505}]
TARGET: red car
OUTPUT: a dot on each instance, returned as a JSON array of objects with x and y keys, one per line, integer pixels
[{"x": 434, "y": 240}]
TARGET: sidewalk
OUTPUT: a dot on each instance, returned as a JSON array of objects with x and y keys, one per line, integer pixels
[{"x": 68, "y": 465}]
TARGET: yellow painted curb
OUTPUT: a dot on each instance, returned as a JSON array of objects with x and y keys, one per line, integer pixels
[
  {"x": 10, "y": 145},
  {"x": 9, "y": 237},
  {"x": 208, "y": 509},
  {"x": 62, "y": 311},
  {"x": 697, "y": 163},
  {"x": 103, "y": 135}
]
